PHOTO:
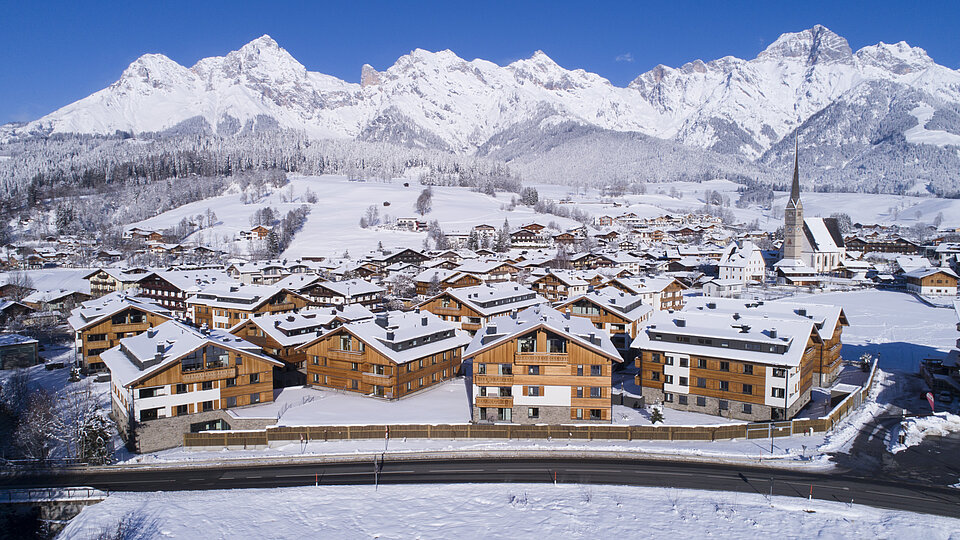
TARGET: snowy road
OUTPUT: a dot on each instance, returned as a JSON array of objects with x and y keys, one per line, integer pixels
[{"x": 836, "y": 487}]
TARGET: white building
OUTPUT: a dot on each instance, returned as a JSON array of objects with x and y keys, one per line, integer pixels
[{"x": 742, "y": 262}]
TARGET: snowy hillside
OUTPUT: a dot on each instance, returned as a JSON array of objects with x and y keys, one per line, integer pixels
[{"x": 333, "y": 225}]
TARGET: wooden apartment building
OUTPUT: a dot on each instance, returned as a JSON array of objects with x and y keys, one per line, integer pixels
[
  {"x": 101, "y": 323},
  {"x": 471, "y": 307},
  {"x": 540, "y": 366},
  {"x": 222, "y": 307},
  {"x": 395, "y": 355},
  {"x": 613, "y": 311}
]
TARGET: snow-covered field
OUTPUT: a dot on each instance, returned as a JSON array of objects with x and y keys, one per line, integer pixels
[
  {"x": 492, "y": 511},
  {"x": 51, "y": 279}
]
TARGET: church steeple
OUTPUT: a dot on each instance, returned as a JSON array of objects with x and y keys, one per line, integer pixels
[{"x": 795, "y": 188}]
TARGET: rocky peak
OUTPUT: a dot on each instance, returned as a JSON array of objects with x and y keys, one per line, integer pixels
[
  {"x": 815, "y": 45},
  {"x": 898, "y": 58},
  {"x": 369, "y": 76}
]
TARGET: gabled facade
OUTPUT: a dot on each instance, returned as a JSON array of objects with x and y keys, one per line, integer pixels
[
  {"x": 471, "y": 307},
  {"x": 220, "y": 307},
  {"x": 350, "y": 291},
  {"x": 395, "y": 355},
  {"x": 932, "y": 282},
  {"x": 612, "y": 311},
  {"x": 660, "y": 293},
  {"x": 540, "y": 366},
  {"x": 100, "y": 324},
  {"x": 558, "y": 286}
]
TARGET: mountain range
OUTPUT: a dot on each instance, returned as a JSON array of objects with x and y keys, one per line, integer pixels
[{"x": 885, "y": 117}]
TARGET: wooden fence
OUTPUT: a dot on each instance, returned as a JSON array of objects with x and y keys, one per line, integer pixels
[{"x": 254, "y": 438}]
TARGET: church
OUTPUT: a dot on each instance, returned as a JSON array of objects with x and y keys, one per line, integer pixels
[{"x": 811, "y": 246}]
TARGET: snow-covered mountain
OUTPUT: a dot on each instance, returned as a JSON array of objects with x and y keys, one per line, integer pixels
[{"x": 746, "y": 108}]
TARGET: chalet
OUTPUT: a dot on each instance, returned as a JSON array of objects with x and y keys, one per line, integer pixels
[
  {"x": 57, "y": 300},
  {"x": 932, "y": 281},
  {"x": 723, "y": 288},
  {"x": 744, "y": 367},
  {"x": 12, "y": 310},
  {"x": 829, "y": 321},
  {"x": 796, "y": 272},
  {"x": 526, "y": 238},
  {"x": 107, "y": 280},
  {"x": 171, "y": 288},
  {"x": 101, "y": 323},
  {"x": 441, "y": 280},
  {"x": 137, "y": 233},
  {"x": 174, "y": 378},
  {"x": 540, "y": 366},
  {"x": 660, "y": 293},
  {"x": 613, "y": 311},
  {"x": 411, "y": 224},
  {"x": 471, "y": 307},
  {"x": 485, "y": 233},
  {"x": 280, "y": 336},
  {"x": 564, "y": 239},
  {"x": 223, "y": 306},
  {"x": 406, "y": 255},
  {"x": 591, "y": 261},
  {"x": 489, "y": 271},
  {"x": 558, "y": 285},
  {"x": 867, "y": 244},
  {"x": 257, "y": 233},
  {"x": 351, "y": 291},
  {"x": 18, "y": 351},
  {"x": 742, "y": 261},
  {"x": 603, "y": 221},
  {"x": 393, "y": 356}
]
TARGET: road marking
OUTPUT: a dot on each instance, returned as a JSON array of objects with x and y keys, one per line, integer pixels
[
  {"x": 521, "y": 470},
  {"x": 291, "y": 475},
  {"x": 455, "y": 470},
  {"x": 900, "y": 495},
  {"x": 593, "y": 470},
  {"x": 197, "y": 479},
  {"x": 397, "y": 472},
  {"x": 254, "y": 477}
]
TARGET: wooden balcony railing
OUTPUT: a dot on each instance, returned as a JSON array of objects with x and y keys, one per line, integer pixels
[{"x": 537, "y": 358}]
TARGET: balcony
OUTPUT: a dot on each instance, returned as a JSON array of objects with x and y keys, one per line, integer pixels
[
  {"x": 451, "y": 310},
  {"x": 498, "y": 402},
  {"x": 376, "y": 380},
  {"x": 537, "y": 358},
  {"x": 493, "y": 380},
  {"x": 208, "y": 375}
]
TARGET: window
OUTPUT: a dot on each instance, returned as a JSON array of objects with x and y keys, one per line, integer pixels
[
  {"x": 410, "y": 386},
  {"x": 748, "y": 389},
  {"x": 578, "y": 414},
  {"x": 420, "y": 381},
  {"x": 206, "y": 406},
  {"x": 504, "y": 414},
  {"x": 181, "y": 388},
  {"x": 655, "y": 358},
  {"x": 724, "y": 405},
  {"x": 506, "y": 369},
  {"x": 206, "y": 385},
  {"x": 533, "y": 412},
  {"x": 579, "y": 391},
  {"x": 316, "y": 377},
  {"x": 378, "y": 369},
  {"x": 702, "y": 363},
  {"x": 580, "y": 371},
  {"x": 420, "y": 364},
  {"x": 533, "y": 391},
  {"x": 527, "y": 344},
  {"x": 747, "y": 408},
  {"x": 232, "y": 401},
  {"x": 354, "y": 366},
  {"x": 701, "y": 382},
  {"x": 684, "y": 381},
  {"x": 724, "y": 366},
  {"x": 181, "y": 410},
  {"x": 97, "y": 337},
  {"x": 684, "y": 362},
  {"x": 596, "y": 414},
  {"x": 668, "y": 360},
  {"x": 315, "y": 360},
  {"x": 596, "y": 392},
  {"x": 701, "y": 401},
  {"x": 149, "y": 414},
  {"x": 654, "y": 375},
  {"x": 779, "y": 372},
  {"x": 481, "y": 369},
  {"x": 682, "y": 399},
  {"x": 556, "y": 344},
  {"x": 748, "y": 369},
  {"x": 668, "y": 379},
  {"x": 776, "y": 392},
  {"x": 533, "y": 370},
  {"x": 255, "y": 398},
  {"x": 149, "y": 392},
  {"x": 232, "y": 381},
  {"x": 668, "y": 397},
  {"x": 355, "y": 384},
  {"x": 724, "y": 386},
  {"x": 345, "y": 342}
]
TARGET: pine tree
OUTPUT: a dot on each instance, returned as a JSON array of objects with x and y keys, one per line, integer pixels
[{"x": 656, "y": 415}]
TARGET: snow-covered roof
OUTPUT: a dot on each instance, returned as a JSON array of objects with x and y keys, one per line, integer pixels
[
  {"x": 826, "y": 316},
  {"x": 406, "y": 336},
  {"x": 294, "y": 329},
  {"x": 140, "y": 356},
  {"x": 297, "y": 282},
  {"x": 577, "y": 329},
  {"x": 629, "y": 306},
  {"x": 235, "y": 296},
  {"x": 787, "y": 338},
  {"x": 920, "y": 273},
  {"x": 567, "y": 278},
  {"x": 823, "y": 235},
  {"x": 97, "y": 310},
  {"x": 192, "y": 280},
  {"x": 494, "y": 298},
  {"x": 42, "y": 297},
  {"x": 479, "y": 267},
  {"x": 645, "y": 285},
  {"x": 15, "y": 339},
  {"x": 351, "y": 287}
]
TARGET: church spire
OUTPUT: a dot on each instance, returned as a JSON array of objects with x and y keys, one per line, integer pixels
[{"x": 795, "y": 189}]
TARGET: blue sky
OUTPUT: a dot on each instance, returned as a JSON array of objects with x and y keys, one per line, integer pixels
[{"x": 54, "y": 53}]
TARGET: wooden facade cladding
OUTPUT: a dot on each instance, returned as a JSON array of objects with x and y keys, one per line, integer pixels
[
  {"x": 107, "y": 334},
  {"x": 553, "y": 289},
  {"x": 463, "y": 280},
  {"x": 364, "y": 370},
  {"x": 287, "y": 354},
  {"x": 606, "y": 317},
  {"x": 204, "y": 314},
  {"x": 233, "y": 380}
]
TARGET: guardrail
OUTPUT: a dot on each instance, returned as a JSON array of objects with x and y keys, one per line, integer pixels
[
  {"x": 745, "y": 430},
  {"x": 11, "y": 496}
]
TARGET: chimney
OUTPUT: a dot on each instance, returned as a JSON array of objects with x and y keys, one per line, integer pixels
[
  {"x": 382, "y": 320},
  {"x": 339, "y": 307},
  {"x": 681, "y": 322},
  {"x": 566, "y": 313},
  {"x": 390, "y": 336},
  {"x": 151, "y": 332},
  {"x": 773, "y": 333},
  {"x": 711, "y": 305},
  {"x": 736, "y": 316},
  {"x": 159, "y": 355},
  {"x": 423, "y": 320},
  {"x": 492, "y": 328},
  {"x": 276, "y": 324},
  {"x": 802, "y": 312}
]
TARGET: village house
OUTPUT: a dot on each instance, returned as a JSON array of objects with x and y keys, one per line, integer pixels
[
  {"x": 280, "y": 335},
  {"x": 661, "y": 293},
  {"x": 489, "y": 271},
  {"x": 56, "y": 300},
  {"x": 179, "y": 379},
  {"x": 742, "y": 262},
  {"x": 558, "y": 285},
  {"x": 223, "y": 306},
  {"x": 101, "y": 323},
  {"x": 18, "y": 351},
  {"x": 171, "y": 288},
  {"x": 396, "y": 354},
  {"x": 932, "y": 282},
  {"x": 745, "y": 367},
  {"x": 350, "y": 291},
  {"x": 442, "y": 280},
  {"x": 107, "y": 280},
  {"x": 471, "y": 307},
  {"x": 540, "y": 366}
]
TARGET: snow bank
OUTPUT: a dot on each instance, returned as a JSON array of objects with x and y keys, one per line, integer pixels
[
  {"x": 491, "y": 511},
  {"x": 913, "y": 430}
]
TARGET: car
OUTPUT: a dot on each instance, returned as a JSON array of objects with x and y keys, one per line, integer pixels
[{"x": 945, "y": 397}]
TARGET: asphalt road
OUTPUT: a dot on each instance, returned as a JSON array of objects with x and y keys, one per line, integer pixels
[{"x": 837, "y": 487}]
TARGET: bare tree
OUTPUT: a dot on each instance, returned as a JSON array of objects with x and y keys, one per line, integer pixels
[
  {"x": 21, "y": 285},
  {"x": 424, "y": 202}
]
